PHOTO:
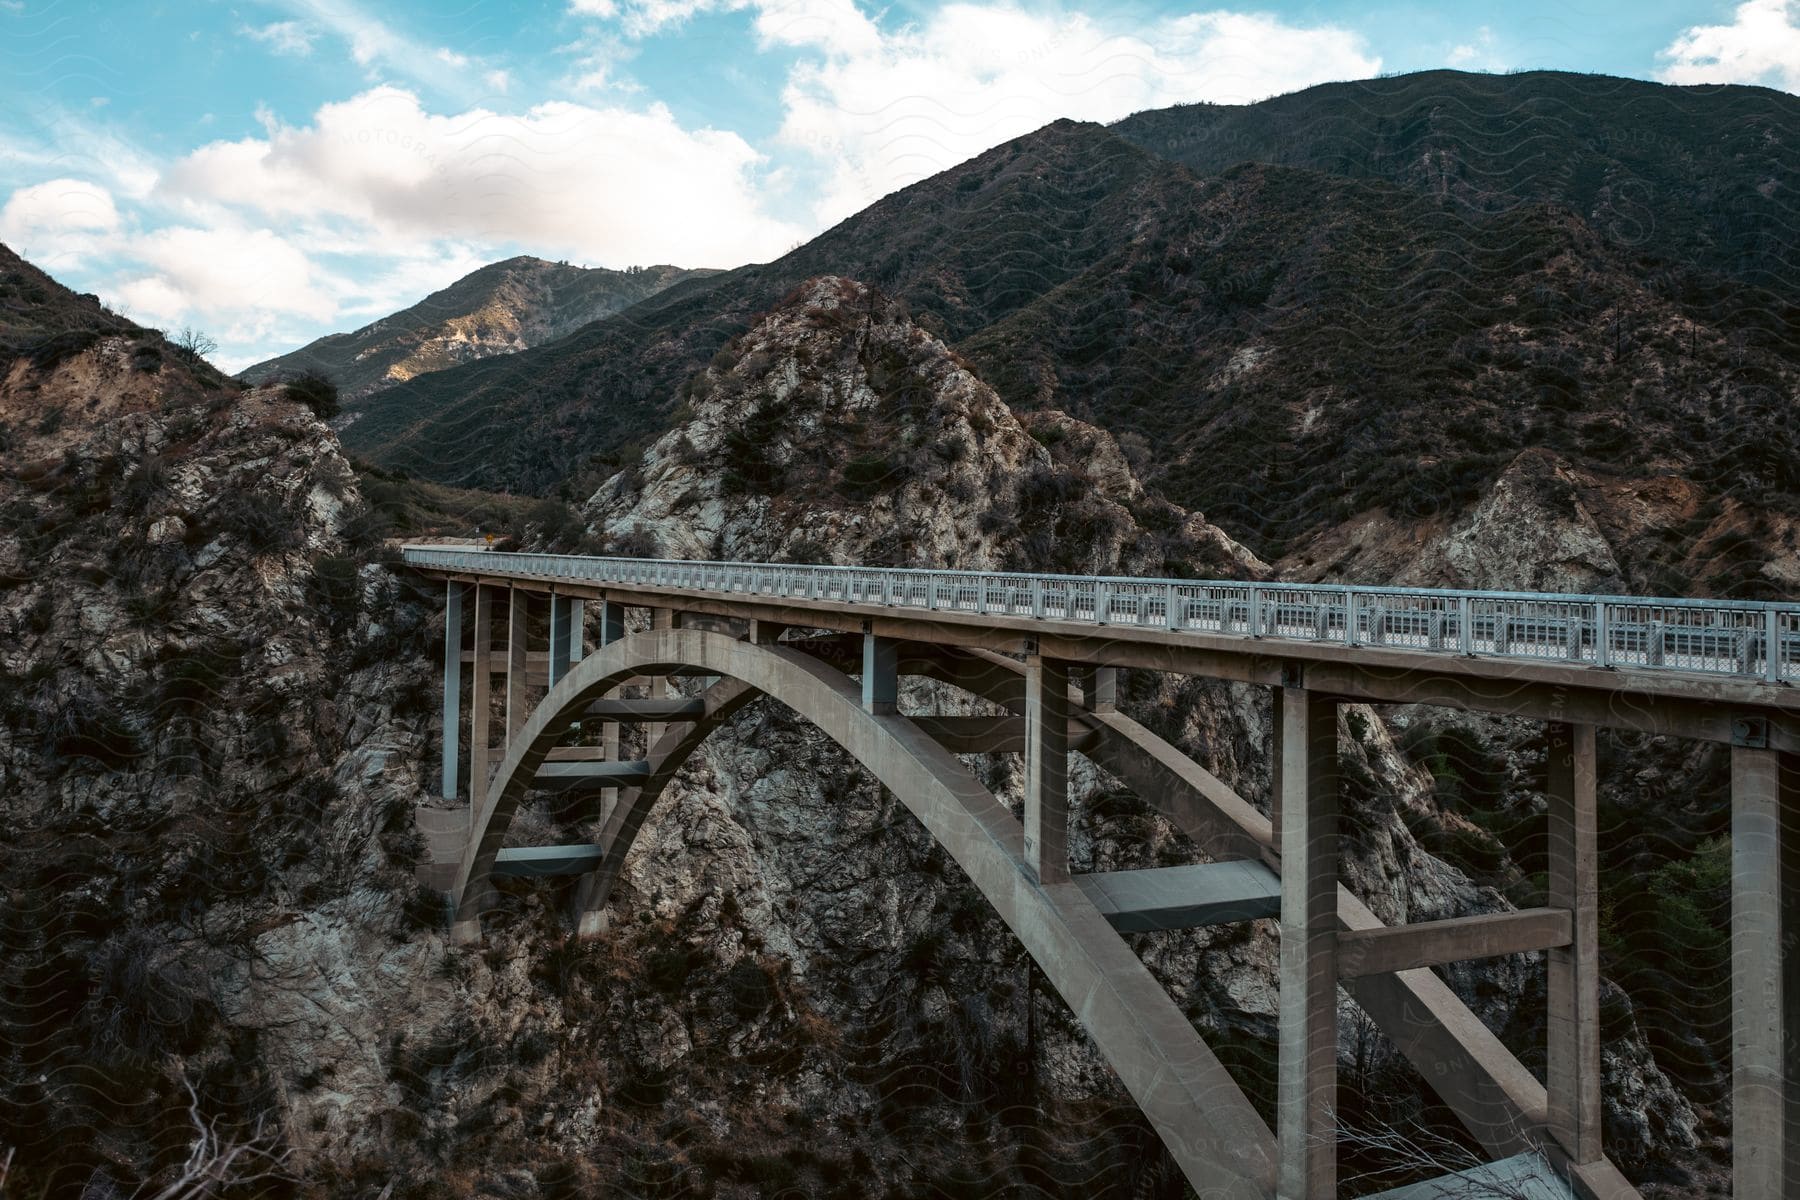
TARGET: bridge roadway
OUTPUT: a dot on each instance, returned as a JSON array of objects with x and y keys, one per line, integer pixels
[{"x": 1044, "y": 651}]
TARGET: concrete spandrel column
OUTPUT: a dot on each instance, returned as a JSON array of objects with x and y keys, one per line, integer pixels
[
  {"x": 480, "y": 700},
  {"x": 518, "y": 698},
  {"x": 1572, "y": 1073},
  {"x": 880, "y": 674},
  {"x": 1046, "y": 844},
  {"x": 1765, "y": 973},
  {"x": 557, "y": 660},
  {"x": 1105, "y": 696},
  {"x": 1306, "y": 1118},
  {"x": 453, "y": 598},
  {"x": 660, "y": 619},
  {"x": 612, "y": 622}
]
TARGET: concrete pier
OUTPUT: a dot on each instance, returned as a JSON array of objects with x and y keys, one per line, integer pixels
[
  {"x": 1046, "y": 836},
  {"x": 1307, "y": 1074}
]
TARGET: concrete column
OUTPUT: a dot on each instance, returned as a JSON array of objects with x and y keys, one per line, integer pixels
[
  {"x": 577, "y": 631},
  {"x": 660, "y": 618},
  {"x": 1105, "y": 697},
  {"x": 880, "y": 674},
  {"x": 557, "y": 661},
  {"x": 1277, "y": 733},
  {"x": 1099, "y": 687},
  {"x": 1765, "y": 973},
  {"x": 518, "y": 698},
  {"x": 1572, "y": 1074},
  {"x": 1046, "y": 769},
  {"x": 480, "y": 703},
  {"x": 612, "y": 622},
  {"x": 1306, "y": 1119},
  {"x": 453, "y": 592},
  {"x": 612, "y": 628}
]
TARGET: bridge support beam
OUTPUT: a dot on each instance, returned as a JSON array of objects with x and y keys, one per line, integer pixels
[
  {"x": 1046, "y": 769},
  {"x": 453, "y": 596},
  {"x": 1572, "y": 1072},
  {"x": 1765, "y": 917},
  {"x": 1306, "y": 1093}
]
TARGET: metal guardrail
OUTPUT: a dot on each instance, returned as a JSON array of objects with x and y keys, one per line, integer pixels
[{"x": 1743, "y": 639}]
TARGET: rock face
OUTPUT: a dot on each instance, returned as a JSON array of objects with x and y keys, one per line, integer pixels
[
  {"x": 211, "y": 715},
  {"x": 217, "y": 727},
  {"x": 1547, "y": 525},
  {"x": 837, "y": 430}
]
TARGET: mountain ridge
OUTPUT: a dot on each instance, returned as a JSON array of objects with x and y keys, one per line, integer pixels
[{"x": 500, "y": 308}]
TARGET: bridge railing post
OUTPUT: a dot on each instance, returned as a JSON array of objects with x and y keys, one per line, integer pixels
[
  {"x": 1772, "y": 652},
  {"x": 1172, "y": 603},
  {"x": 1306, "y": 1125},
  {"x": 1602, "y": 635}
]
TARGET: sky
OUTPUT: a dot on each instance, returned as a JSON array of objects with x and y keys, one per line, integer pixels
[{"x": 268, "y": 171}]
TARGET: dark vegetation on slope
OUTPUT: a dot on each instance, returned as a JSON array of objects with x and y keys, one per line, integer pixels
[
  {"x": 1301, "y": 348},
  {"x": 1705, "y": 176}
]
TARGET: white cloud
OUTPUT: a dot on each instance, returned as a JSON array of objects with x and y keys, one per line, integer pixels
[
  {"x": 379, "y": 47},
  {"x": 285, "y": 37},
  {"x": 59, "y": 221},
  {"x": 223, "y": 273},
  {"x": 609, "y": 185},
  {"x": 1476, "y": 54},
  {"x": 974, "y": 75},
  {"x": 1760, "y": 46}
]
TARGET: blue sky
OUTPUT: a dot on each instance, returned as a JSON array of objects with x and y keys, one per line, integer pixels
[{"x": 271, "y": 170}]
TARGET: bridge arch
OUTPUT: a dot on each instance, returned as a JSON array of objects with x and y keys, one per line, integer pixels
[{"x": 1210, "y": 1128}]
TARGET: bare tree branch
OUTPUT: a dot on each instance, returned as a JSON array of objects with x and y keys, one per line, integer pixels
[{"x": 217, "y": 1160}]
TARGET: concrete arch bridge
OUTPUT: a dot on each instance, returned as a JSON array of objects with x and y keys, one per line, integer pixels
[{"x": 831, "y": 643}]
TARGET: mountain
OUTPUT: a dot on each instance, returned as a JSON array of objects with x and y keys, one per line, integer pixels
[
  {"x": 1695, "y": 176},
  {"x": 500, "y": 309},
  {"x": 1295, "y": 352},
  {"x": 962, "y": 249}
]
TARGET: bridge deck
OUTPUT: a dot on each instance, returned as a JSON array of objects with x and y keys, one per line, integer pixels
[{"x": 1546, "y": 656}]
